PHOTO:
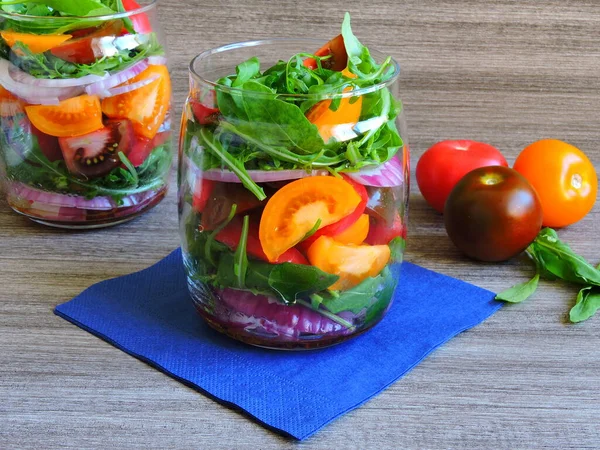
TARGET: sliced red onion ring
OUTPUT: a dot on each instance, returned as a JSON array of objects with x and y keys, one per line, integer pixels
[
  {"x": 37, "y": 95},
  {"x": 22, "y": 77},
  {"x": 157, "y": 60},
  {"x": 102, "y": 88},
  {"x": 389, "y": 174},
  {"x": 129, "y": 87},
  {"x": 30, "y": 194},
  {"x": 261, "y": 176}
]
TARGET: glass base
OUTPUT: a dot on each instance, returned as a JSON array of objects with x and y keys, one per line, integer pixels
[{"x": 104, "y": 218}]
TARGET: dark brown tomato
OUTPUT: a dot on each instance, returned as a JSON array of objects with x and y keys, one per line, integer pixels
[{"x": 493, "y": 214}]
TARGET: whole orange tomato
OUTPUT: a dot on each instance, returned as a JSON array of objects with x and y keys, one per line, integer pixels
[{"x": 564, "y": 178}]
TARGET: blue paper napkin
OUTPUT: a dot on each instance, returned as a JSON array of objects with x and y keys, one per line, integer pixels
[{"x": 150, "y": 316}]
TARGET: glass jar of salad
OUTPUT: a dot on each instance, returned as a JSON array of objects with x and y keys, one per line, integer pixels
[
  {"x": 293, "y": 189},
  {"x": 85, "y": 99}
]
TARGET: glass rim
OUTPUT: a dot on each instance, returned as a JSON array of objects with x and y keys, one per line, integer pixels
[
  {"x": 317, "y": 43},
  {"x": 118, "y": 15}
]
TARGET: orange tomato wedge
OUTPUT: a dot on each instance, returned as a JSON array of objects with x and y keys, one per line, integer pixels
[
  {"x": 353, "y": 263},
  {"x": 294, "y": 210},
  {"x": 147, "y": 106},
  {"x": 37, "y": 43},
  {"x": 336, "y": 49},
  {"x": 336, "y": 124},
  {"x": 9, "y": 104},
  {"x": 355, "y": 233},
  {"x": 73, "y": 117}
]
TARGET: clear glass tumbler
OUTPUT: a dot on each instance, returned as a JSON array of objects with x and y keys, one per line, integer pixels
[
  {"x": 292, "y": 207},
  {"x": 85, "y": 101}
]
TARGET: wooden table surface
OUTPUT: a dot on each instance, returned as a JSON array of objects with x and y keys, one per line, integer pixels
[{"x": 505, "y": 72}]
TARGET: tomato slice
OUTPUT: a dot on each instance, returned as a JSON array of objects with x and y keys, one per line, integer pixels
[
  {"x": 337, "y": 50},
  {"x": 338, "y": 124},
  {"x": 294, "y": 210},
  {"x": 202, "y": 194},
  {"x": 353, "y": 263},
  {"x": 10, "y": 105},
  {"x": 141, "y": 22},
  {"x": 147, "y": 106},
  {"x": 142, "y": 147},
  {"x": 204, "y": 114},
  {"x": 230, "y": 236},
  {"x": 220, "y": 198},
  {"x": 382, "y": 233},
  {"x": 355, "y": 233},
  {"x": 80, "y": 50},
  {"x": 346, "y": 222},
  {"x": 48, "y": 145},
  {"x": 73, "y": 117},
  {"x": 37, "y": 43}
]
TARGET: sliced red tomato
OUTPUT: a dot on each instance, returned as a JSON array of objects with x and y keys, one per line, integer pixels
[
  {"x": 337, "y": 50},
  {"x": 382, "y": 233},
  {"x": 37, "y": 43},
  {"x": 73, "y": 117},
  {"x": 48, "y": 145},
  {"x": 343, "y": 224},
  {"x": 202, "y": 194},
  {"x": 204, "y": 114},
  {"x": 147, "y": 106},
  {"x": 230, "y": 236},
  {"x": 141, "y": 22},
  {"x": 80, "y": 50},
  {"x": 142, "y": 147},
  {"x": 221, "y": 198}
]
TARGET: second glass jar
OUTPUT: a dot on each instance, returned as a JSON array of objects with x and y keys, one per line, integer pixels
[{"x": 285, "y": 244}]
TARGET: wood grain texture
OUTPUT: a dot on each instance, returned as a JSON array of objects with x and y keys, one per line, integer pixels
[{"x": 503, "y": 71}]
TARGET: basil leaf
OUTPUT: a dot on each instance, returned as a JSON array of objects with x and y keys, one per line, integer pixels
[
  {"x": 558, "y": 259},
  {"x": 520, "y": 292},
  {"x": 586, "y": 305}
]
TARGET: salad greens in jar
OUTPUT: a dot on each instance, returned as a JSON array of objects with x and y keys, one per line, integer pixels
[
  {"x": 293, "y": 189},
  {"x": 85, "y": 98}
]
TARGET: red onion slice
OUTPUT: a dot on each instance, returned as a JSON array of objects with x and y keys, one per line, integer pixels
[
  {"x": 38, "y": 95},
  {"x": 389, "y": 174},
  {"x": 25, "y": 78},
  {"x": 157, "y": 60},
  {"x": 130, "y": 87},
  {"x": 102, "y": 88},
  {"x": 30, "y": 194},
  {"x": 261, "y": 176}
]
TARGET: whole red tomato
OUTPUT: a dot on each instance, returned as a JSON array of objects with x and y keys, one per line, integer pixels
[
  {"x": 444, "y": 164},
  {"x": 493, "y": 214}
]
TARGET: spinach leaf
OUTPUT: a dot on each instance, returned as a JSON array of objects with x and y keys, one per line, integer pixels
[
  {"x": 586, "y": 305},
  {"x": 293, "y": 281},
  {"x": 79, "y": 8},
  {"x": 287, "y": 282},
  {"x": 520, "y": 292},
  {"x": 363, "y": 296},
  {"x": 383, "y": 297},
  {"x": 246, "y": 71},
  {"x": 397, "y": 246}
]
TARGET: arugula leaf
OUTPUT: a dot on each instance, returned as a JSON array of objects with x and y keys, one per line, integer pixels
[
  {"x": 240, "y": 265},
  {"x": 520, "y": 292},
  {"x": 46, "y": 65},
  {"x": 586, "y": 305}
]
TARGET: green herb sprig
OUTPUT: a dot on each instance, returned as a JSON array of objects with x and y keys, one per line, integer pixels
[{"x": 555, "y": 260}]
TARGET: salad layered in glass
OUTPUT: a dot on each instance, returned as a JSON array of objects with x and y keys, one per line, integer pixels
[
  {"x": 85, "y": 99},
  {"x": 293, "y": 189}
]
